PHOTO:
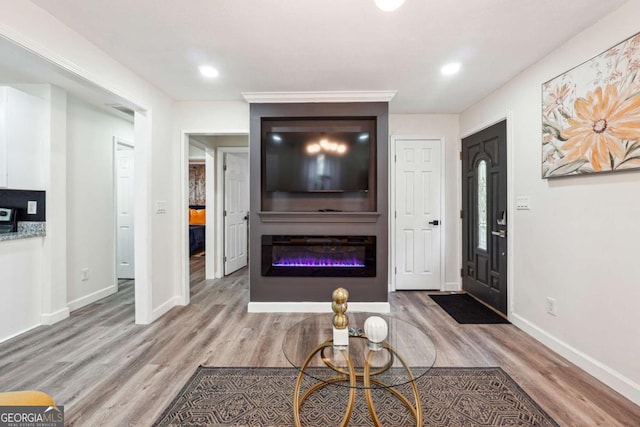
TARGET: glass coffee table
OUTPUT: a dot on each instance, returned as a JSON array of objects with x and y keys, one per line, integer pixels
[{"x": 405, "y": 355}]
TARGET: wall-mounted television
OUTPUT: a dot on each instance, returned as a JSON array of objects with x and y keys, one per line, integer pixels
[{"x": 318, "y": 155}]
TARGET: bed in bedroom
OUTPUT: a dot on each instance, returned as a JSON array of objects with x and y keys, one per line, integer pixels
[{"x": 197, "y": 227}]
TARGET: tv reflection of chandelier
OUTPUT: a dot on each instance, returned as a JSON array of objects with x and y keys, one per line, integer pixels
[{"x": 326, "y": 146}]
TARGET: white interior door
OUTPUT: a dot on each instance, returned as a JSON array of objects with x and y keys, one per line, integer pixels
[
  {"x": 236, "y": 208},
  {"x": 418, "y": 214},
  {"x": 124, "y": 211}
]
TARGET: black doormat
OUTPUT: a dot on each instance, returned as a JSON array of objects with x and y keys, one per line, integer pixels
[
  {"x": 466, "y": 310},
  {"x": 261, "y": 397}
]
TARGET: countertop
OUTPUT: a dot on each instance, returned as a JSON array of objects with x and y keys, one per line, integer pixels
[{"x": 26, "y": 229}]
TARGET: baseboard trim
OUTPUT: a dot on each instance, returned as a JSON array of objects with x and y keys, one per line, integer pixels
[
  {"x": 91, "y": 298},
  {"x": 315, "y": 307},
  {"x": 55, "y": 317},
  {"x": 610, "y": 377},
  {"x": 452, "y": 287},
  {"x": 164, "y": 307}
]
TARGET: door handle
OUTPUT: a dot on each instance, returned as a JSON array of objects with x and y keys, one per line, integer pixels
[
  {"x": 500, "y": 233},
  {"x": 434, "y": 222}
]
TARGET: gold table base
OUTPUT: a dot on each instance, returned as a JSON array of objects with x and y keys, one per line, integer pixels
[{"x": 354, "y": 377}]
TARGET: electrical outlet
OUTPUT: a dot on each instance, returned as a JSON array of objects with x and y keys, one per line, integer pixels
[
  {"x": 32, "y": 207},
  {"x": 84, "y": 274},
  {"x": 551, "y": 306}
]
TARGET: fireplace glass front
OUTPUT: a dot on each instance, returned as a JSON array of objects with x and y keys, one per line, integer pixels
[{"x": 319, "y": 256}]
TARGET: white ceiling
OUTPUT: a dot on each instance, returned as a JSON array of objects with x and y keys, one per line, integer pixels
[{"x": 330, "y": 45}]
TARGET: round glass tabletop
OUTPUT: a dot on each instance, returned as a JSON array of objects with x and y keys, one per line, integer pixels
[{"x": 407, "y": 352}]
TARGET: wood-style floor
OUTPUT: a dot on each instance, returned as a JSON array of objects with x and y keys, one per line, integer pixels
[{"x": 108, "y": 371}]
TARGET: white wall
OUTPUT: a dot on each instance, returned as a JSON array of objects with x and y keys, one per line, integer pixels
[
  {"x": 54, "y": 285},
  {"x": 210, "y": 117},
  {"x": 579, "y": 242},
  {"x": 195, "y": 154},
  {"x": 445, "y": 127},
  {"x": 156, "y": 253},
  {"x": 90, "y": 200}
]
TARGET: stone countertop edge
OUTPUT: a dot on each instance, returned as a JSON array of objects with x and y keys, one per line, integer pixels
[{"x": 26, "y": 229}]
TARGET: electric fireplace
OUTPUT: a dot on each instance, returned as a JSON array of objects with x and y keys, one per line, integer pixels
[{"x": 319, "y": 256}]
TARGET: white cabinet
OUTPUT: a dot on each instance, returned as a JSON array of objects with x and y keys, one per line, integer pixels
[{"x": 23, "y": 135}]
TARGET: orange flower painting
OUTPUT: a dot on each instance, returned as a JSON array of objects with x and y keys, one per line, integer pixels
[{"x": 598, "y": 131}]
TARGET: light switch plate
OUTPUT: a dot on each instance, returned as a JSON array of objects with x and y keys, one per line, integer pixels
[
  {"x": 32, "y": 207},
  {"x": 161, "y": 207},
  {"x": 523, "y": 203}
]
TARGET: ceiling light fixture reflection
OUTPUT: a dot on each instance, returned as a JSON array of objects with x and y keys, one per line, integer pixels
[
  {"x": 363, "y": 137},
  {"x": 451, "y": 68},
  {"x": 326, "y": 146},
  {"x": 313, "y": 148},
  {"x": 208, "y": 71},
  {"x": 388, "y": 5}
]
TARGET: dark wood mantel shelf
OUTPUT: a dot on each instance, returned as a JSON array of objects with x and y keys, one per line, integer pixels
[{"x": 316, "y": 217}]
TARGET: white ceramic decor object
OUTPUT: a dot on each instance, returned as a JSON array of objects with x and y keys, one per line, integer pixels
[{"x": 376, "y": 330}]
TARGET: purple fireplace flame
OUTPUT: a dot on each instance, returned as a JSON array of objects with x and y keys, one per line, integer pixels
[
  {"x": 317, "y": 262},
  {"x": 318, "y": 256}
]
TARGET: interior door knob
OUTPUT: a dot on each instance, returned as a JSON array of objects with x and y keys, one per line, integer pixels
[{"x": 434, "y": 222}]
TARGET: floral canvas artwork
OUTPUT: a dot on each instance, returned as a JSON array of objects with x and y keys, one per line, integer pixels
[{"x": 591, "y": 115}]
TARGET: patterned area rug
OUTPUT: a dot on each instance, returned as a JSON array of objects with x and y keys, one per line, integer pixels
[{"x": 263, "y": 397}]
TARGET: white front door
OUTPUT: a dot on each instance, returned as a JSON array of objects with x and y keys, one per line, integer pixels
[
  {"x": 124, "y": 211},
  {"x": 418, "y": 214},
  {"x": 236, "y": 209}
]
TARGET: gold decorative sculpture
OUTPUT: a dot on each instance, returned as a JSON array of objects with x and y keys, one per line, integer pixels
[
  {"x": 340, "y": 320},
  {"x": 339, "y": 306}
]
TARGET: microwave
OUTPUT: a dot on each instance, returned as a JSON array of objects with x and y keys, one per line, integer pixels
[{"x": 7, "y": 220}]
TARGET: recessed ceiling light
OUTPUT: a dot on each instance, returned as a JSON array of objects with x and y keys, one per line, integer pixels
[
  {"x": 388, "y": 5},
  {"x": 208, "y": 71},
  {"x": 451, "y": 68}
]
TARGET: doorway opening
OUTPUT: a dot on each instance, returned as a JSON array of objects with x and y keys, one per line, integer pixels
[
  {"x": 124, "y": 202},
  {"x": 216, "y": 200}
]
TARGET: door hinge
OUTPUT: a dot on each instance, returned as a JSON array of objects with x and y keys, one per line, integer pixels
[
  {"x": 395, "y": 158},
  {"x": 225, "y": 259},
  {"x": 462, "y": 272},
  {"x": 225, "y": 213},
  {"x": 461, "y": 214},
  {"x": 395, "y": 214},
  {"x": 395, "y": 270},
  {"x": 460, "y": 155},
  {"x": 224, "y": 167}
]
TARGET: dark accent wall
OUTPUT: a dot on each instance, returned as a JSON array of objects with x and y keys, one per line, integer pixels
[
  {"x": 18, "y": 199},
  {"x": 272, "y": 222}
]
